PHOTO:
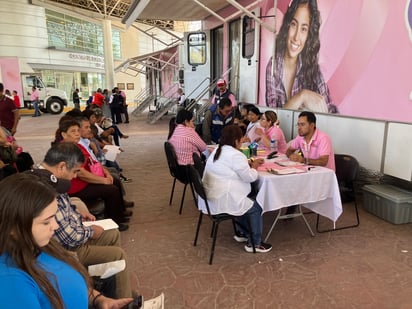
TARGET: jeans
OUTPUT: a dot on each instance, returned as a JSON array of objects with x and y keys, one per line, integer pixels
[
  {"x": 254, "y": 214},
  {"x": 36, "y": 108},
  {"x": 116, "y": 135}
]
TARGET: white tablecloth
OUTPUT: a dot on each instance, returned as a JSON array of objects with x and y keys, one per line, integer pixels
[{"x": 316, "y": 190}]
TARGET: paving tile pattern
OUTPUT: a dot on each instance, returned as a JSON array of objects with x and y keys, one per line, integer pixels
[{"x": 366, "y": 267}]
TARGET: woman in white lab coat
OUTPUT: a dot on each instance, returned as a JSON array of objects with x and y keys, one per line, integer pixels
[{"x": 227, "y": 179}]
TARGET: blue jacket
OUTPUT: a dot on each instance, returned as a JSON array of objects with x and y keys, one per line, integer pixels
[{"x": 218, "y": 123}]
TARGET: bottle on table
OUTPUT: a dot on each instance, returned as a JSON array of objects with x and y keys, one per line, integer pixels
[{"x": 273, "y": 145}]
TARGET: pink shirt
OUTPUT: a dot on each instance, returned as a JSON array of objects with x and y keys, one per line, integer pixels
[
  {"x": 186, "y": 141},
  {"x": 320, "y": 145},
  {"x": 276, "y": 134},
  {"x": 34, "y": 95}
]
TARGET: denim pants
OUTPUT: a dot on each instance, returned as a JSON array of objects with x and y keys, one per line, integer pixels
[
  {"x": 254, "y": 214},
  {"x": 36, "y": 108},
  {"x": 116, "y": 135}
]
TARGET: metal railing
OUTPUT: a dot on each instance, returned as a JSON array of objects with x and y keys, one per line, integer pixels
[
  {"x": 200, "y": 109},
  {"x": 163, "y": 103},
  {"x": 143, "y": 100}
]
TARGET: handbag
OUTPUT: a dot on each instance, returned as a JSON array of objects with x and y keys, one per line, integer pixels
[{"x": 96, "y": 168}]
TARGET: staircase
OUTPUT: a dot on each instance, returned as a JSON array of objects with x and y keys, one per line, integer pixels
[
  {"x": 163, "y": 106},
  {"x": 143, "y": 100}
]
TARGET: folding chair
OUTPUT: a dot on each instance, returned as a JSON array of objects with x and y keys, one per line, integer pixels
[
  {"x": 215, "y": 218},
  {"x": 347, "y": 169},
  {"x": 178, "y": 172}
]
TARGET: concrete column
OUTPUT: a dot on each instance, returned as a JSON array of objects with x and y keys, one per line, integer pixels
[{"x": 108, "y": 54}]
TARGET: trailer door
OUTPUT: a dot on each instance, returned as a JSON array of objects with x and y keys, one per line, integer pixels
[
  {"x": 196, "y": 65},
  {"x": 249, "y": 60}
]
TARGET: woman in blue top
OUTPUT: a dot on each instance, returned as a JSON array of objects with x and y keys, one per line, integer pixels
[{"x": 36, "y": 272}]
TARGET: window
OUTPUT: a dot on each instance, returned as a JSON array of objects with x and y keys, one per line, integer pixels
[
  {"x": 248, "y": 46},
  {"x": 72, "y": 33},
  {"x": 117, "y": 54},
  {"x": 217, "y": 52},
  {"x": 197, "y": 48}
]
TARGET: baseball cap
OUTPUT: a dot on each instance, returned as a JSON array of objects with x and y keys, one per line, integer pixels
[
  {"x": 221, "y": 82},
  {"x": 59, "y": 184}
]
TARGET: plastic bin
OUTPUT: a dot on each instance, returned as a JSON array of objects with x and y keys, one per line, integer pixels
[{"x": 388, "y": 202}]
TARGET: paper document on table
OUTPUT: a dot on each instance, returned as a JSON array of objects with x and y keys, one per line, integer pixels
[
  {"x": 111, "y": 152},
  {"x": 106, "y": 270},
  {"x": 289, "y": 163},
  {"x": 106, "y": 224},
  {"x": 285, "y": 171}
]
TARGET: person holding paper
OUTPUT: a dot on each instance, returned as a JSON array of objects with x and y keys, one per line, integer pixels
[{"x": 92, "y": 244}]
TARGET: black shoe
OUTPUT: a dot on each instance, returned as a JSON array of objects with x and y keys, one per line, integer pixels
[
  {"x": 124, "y": 179},
  {"x": 128, "y": 204},
  {"x": 127, "y": 213},
  {"x": 126, "y": 122},
  {"x": 123, "y": 227},
  {"x": 125, "y": 220}
]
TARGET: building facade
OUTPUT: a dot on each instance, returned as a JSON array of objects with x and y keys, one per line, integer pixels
[{"x": 69, "y": 50}]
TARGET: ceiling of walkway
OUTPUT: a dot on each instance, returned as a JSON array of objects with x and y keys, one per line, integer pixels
[
  {"x": 153, "y": 12},
  {"x": 109, "y": 8}
]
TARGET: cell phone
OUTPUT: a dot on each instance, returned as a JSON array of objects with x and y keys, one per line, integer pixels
[
  {"x": 137, "y": 302},
  {"x": 272, "y": 155}
]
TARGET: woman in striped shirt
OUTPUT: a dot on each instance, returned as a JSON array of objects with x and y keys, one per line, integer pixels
[{"x": 183, "y": 137}]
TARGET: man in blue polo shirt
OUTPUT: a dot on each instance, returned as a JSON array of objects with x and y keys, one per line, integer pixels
[{"x": 216, "y": 118}]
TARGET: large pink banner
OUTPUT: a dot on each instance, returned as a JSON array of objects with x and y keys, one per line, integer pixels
[{"x": 365, "y": 55}]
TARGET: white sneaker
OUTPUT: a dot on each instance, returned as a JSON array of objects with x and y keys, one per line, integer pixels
[
  {"x": 155, "y": 303},
  {"x": 262, "y": 248},
  {"x": 240, "y": 238}
]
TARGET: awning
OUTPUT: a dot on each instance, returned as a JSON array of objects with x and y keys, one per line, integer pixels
[
  {"x": 157, "y": 60},
  {"x": 71, "y": 68},
  {"x": 191, "y": 10},
  {"x": 184, "y": 10}
]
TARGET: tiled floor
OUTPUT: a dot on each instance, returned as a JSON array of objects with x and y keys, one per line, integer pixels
[{"x": 366, "y": 267}]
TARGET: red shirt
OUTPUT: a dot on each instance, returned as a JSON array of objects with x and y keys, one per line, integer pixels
[
  {"x": 16, "y": 99},
  {"x": 77, "y": 183},
  {"x": 98, "y": 99}
]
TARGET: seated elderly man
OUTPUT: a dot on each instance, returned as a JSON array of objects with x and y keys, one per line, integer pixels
[{"x": 92, "y": 244}]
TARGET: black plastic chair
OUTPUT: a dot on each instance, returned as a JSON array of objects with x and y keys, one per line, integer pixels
[
  {"x": 178, "y": 172},
  {"x": 347, "y": 169},
  {"x": 198, "y": 163},
  {"x": 215, "y": 218}
]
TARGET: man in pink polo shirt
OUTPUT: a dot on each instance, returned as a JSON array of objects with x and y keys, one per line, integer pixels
[{"x": 315, "y": 147}]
